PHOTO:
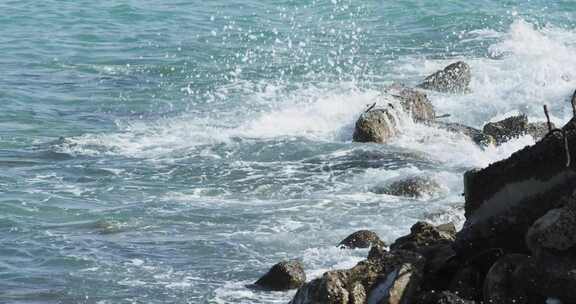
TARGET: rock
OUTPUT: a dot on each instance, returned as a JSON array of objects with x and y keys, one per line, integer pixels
[
  {"x": 475, "y": 135},
  {"x": 283, "y": 276},
  {"x": 413, "y": 102},
  {"x": 377, "y": 125},
  {"x": 361, "y": 239},
  {"x": 556, "y": 230},
  {"x": 412, "y": 187},
  {"x": 549, "y": 277},
  {"x": 385, "y": 277},
  {"x": 504, "y": 199},
  {"x": 443, "y": 297},
  {"x": 538, "y": 129},
  {"x": 467, "y": 283},
  {"x": 500, "y": 284},
  {"x": 423, "y": 234},
  {"x": 454, "y": 78},
  {"x": 507, "y": 129}
]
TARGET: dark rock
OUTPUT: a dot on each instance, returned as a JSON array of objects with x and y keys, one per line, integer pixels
[
  {"x": 467, "y": 283},
  {"x": 377, "y": 125},
  {"x": 283, "y": 276},
  {"x": 443, "y": 297},
  {"x": 475, "y": 135},
  {"x": 507, "y": 129},
  {"x": 538, "y": 129},
  {"x": 413, "y": 187},
  {"x": 385, "y": 277},
  {"x": 361, "y": 239},
  {"x": 556, "y": 230},
  {"x": 501, "y": 286},
  {"x": 421, "y": 235},
  {"x": 454, "y": 78},
  {"x": 549, "y": 277},
  {"x": 504, "y": 199}
]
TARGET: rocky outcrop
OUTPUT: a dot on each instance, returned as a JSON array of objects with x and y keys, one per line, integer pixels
[
  {"x": 477, "y": 136},
  {"x": 376, "y": 125},
  {"x": 454, "y": 78},
  {"x": 513, "y": 127},
  {"x": 283, "y": 276},
  {"x": 361, "y": 239},
  {"x": 412, "y": 187},
  {"x": 385, "y": 277}
]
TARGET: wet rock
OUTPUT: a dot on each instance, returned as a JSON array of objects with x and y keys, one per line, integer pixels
[
  {"x": 361, "y": 239},
  {"x": 443, "y": 297},
  {"x": 556, "y": 230},
  {"x": 423, "y": 234},
  {"x": 501, "y": 286},
  {"x": 385, "y": 277},
  {"x": 507, "y": 129},
  {"x": 467, "y": 283},
  {"x": 454, "y": 78},
  {"x": 538, "y": 129},
  {"x": 414, "y": 102},
  {"x": 504, "y": 199},
  {"x": 283, "y": 276},
  {"x": 413, "y": 187},
  {"x": 475, "y": 135},
  {"x": 376, "y": 125}
]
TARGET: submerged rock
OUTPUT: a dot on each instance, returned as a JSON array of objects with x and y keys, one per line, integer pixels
[
  {"x": 413, "y": 187},
  {"x": 361, "y": 239},
  {"x": 385, "y": 277},
  {"x": 283, "y": 276},
  {"x": 515, "y": 126},
  {"x": 477, "y": 136},
  {"x": 454, "y": 78},
  {"x": 377, "y": 125}
]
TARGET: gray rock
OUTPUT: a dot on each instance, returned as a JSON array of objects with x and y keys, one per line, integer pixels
[
  {"x": 500, "y": 285},
  {"x": 504, "y": 199},
  {"x": 556, "y": 230},
  {"x": 538, "y": 129},
  {"x": 377, "y": 125},
  {"x": 283, "y": 276},
  {"x": 361, "y": 239},
  {"x": 385, "y": 277},
  {"x": 414, "y": 102},
  {"x": 413, "y": 187},
  {"x": 454, "y": 78}
]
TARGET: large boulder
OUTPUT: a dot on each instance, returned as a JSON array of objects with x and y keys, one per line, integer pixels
[
  {"x": 376, "y": 125},
  {"x": 412, "y": 187},
  {"x": 454, "y": 78},
  {"x": 549, "y": 277},
  {"x": 283, "y": 276},
  {"x": 501, "y": 286},
  {"x": 513, "y": 127},
  {"x": 467, "y": 283},
  {"x": 361, "y": 239},
  {"x": 442, "y": 297},
  {"x": 385, "y": 277},
  {"x": 423, "y": 235},
  {"x": 504, "y": 199},
  {"x": 413, "y": 102}
]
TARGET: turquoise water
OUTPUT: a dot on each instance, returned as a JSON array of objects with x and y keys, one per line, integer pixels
[{"x": 172, "y": 151}]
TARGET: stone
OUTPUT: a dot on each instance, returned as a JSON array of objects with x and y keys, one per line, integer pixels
[
  {"x": 361, "y": 239},
  {"x": 412, "y": 187},
  {"x": 477, "y": 136},
  {"x": 413, "y": 102},
  {"x": 423, "y": 234},
  {"x": 549, "y": 277},
  {"x": 467, "y": 283},
  {"x": 504, "y": 130},
  {"x": 376, "y": 125},
  {"x": 442, "y": 297},
  {"x": 283, "y": 276},
  {"x": 385, "y": 277},
  {"x": 503, "y": 200},
  {"x": 501, "y": 286},
  {"x": 538, "y": 129},
  {"x": 455, "y": 78}
]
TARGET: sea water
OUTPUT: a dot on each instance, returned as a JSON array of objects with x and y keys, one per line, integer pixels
[{"x": 172, "y": 151}]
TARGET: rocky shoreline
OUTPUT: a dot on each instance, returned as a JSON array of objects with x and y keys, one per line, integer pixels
[{"x": 517, "y": 245}]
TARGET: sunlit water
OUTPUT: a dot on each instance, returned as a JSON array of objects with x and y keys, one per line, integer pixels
[{"x": 172, "y": 151}]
